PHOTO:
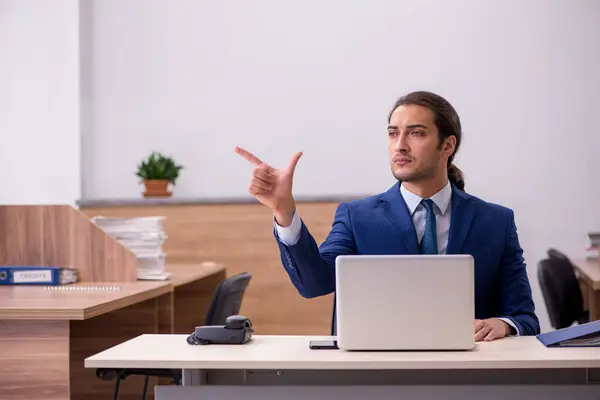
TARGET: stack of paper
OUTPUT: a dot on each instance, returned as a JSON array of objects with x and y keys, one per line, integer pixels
[
  {"x": 144, "y": 237},
  {"x": 593, "y": 250}
]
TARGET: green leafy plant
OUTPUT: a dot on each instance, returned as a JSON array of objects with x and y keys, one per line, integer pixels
[{"x": 159, "y": 167}]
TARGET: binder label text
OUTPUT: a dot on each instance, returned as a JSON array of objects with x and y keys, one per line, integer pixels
[{"x": 40, "y": 276}]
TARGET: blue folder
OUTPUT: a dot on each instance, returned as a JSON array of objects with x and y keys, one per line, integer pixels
[
  {"x": 584, "y": 335},
  {"x": 37, "y": 275}
]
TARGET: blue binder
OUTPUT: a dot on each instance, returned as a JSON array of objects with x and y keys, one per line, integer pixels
[
  {"x": 37, "y": 275},
  {"x": 584, "y": 335}
]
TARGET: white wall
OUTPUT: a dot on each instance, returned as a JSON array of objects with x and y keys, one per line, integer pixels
[
  {"x": 39, "y": 102},
  {"x": 196, "y": 78}
]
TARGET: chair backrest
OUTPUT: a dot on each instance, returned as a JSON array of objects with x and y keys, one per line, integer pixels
[
  {"x": 553, "y": 253},
  {"x": 227, "y": 299},
  {"x": 560, "y": 290}
]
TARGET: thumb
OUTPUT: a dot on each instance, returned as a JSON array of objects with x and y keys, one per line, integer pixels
[{"x": 294, "y": 162}]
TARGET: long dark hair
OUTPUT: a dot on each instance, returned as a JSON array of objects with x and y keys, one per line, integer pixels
[{"x": 447, "y": 122}]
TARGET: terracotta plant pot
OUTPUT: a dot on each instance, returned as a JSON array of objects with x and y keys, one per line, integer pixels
[{"x": 157, "y": 188}]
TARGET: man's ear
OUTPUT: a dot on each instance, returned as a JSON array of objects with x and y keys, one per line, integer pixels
[{"x": 450, "y": 144}]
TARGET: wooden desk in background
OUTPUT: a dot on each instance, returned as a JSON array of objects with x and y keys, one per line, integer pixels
[
  {"x": 239, "y": 234},
  {"x": 589, "y": 274},
  {"x": 45, "y": 334}
]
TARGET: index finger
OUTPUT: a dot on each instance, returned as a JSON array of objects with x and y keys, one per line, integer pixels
[{"x": 248, "y": 156}]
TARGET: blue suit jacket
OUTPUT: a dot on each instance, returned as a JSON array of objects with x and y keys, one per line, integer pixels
[{"x": 382, "y": 224}]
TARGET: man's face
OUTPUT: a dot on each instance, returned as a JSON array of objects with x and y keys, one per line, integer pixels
[{"x": 413, "y": 144}]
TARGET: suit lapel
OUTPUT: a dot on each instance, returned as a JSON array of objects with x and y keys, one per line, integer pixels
[
  {"x": 396, "y": 209},
  {"x": 460, "y": 221}
]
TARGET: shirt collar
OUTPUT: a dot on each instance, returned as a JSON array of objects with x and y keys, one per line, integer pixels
[{"x": 441, "y": 199}]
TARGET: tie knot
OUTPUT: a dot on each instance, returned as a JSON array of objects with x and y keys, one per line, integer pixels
[{"x": 428, "y": 204}]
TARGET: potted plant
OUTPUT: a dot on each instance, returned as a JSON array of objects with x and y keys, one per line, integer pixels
[{"x": 157, "y": 171}]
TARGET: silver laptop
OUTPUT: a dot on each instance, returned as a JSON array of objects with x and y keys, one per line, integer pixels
[{"x": 405, "y": 302}]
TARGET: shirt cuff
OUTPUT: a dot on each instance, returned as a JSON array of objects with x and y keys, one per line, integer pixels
[
  {"x": 508, "y": 321},
  {"x": 289, "y": 235}
]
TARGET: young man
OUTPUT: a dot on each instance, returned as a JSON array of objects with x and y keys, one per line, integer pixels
[{"x": 426, "y": 212}]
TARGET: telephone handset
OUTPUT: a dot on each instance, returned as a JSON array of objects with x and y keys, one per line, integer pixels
[{"x": 237, "y": 330}]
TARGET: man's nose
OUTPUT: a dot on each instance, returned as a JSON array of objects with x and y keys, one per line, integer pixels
[{"x": 402, "y": 142}]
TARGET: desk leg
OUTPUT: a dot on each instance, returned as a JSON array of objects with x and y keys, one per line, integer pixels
[{"x": 34, "y": 359}]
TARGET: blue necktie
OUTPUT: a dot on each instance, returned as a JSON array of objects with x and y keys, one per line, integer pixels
[{"x": 429, "y": 241}]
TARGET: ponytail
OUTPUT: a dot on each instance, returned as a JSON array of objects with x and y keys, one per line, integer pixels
[{"x": 455, "y": 176}]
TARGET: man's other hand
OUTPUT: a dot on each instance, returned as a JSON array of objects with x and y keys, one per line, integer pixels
[{"x": 490, "y": 329}]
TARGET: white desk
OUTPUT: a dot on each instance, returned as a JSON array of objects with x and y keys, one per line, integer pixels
[{"x": 518, "y": 367}]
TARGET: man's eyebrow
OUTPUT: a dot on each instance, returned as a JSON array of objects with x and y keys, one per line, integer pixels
[{"x": 413, "y": 126}]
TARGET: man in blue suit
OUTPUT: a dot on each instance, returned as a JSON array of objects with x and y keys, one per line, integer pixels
[{"x": 426, "y": 212}]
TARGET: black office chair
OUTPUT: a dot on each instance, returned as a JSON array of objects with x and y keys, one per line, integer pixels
[
  {"x": 553, "y": 253},
  {"x": 226, "y": 301},
  {"x": 561, "y": 291}
]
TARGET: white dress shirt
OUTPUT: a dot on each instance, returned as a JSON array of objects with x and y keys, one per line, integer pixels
[
  {"x": 442, "y": 211},
  {"x": 290, "y": 235}
]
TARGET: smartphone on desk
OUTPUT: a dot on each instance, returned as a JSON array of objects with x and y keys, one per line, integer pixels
[{"x": 330, "y": 344}]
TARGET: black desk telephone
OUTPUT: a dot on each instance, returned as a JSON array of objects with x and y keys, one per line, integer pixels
[{"x": 237, "y": 330}]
